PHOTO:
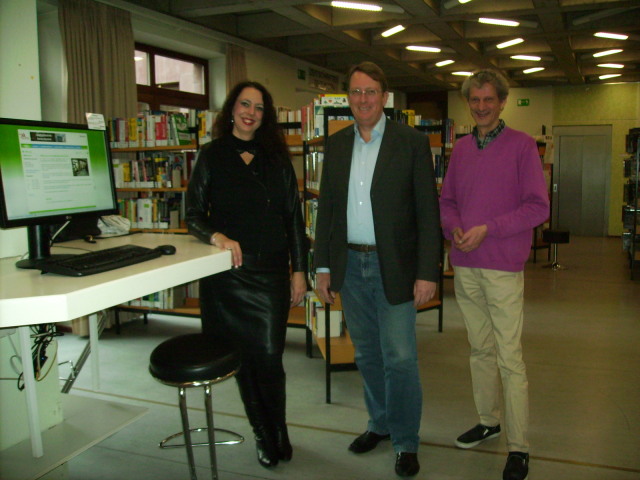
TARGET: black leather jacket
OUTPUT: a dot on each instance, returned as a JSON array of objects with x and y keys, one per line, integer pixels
[{"x": 262, "y": 213}]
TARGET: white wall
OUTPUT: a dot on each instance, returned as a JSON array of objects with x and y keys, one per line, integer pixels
[
  {"x": 527, "y": 119},
  {"x": 20, "y": 98}
]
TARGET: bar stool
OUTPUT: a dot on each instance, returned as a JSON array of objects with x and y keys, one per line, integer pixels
[
  {"x": 195, "y": 360},
  {"x": 554, "y": 237}
]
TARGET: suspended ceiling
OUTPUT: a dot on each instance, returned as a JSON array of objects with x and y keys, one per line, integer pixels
[{"x": 561, "y": 32}]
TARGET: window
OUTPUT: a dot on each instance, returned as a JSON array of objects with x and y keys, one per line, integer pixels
[{"x": 170, "y": 81}]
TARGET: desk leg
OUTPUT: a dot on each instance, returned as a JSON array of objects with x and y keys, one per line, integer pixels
[
  {"x": 94, "y": 335},
  {"x": 33, "y": 415}
]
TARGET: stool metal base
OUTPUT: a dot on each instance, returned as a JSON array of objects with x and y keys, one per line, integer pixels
[
  {"x": 555, "y": 266},
  {"x": 238, "y": 439}
]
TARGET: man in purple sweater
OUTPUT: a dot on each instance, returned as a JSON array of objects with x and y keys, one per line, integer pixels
[{"x": 494, "y": 194}]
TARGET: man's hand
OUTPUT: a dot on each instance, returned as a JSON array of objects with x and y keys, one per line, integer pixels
[
  {"x": 323, "y": 287},
  {"x": 469, "y": 240},
  {"x": 423, "y": 291}
]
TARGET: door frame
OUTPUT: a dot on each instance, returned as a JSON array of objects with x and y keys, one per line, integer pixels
[{"x": 582, "y": 130}]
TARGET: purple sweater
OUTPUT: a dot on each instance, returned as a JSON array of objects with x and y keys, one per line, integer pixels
[{"x": 501, "y": 186}]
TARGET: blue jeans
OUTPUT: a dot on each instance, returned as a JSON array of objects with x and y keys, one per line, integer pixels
[{"x": 385, "y": 340}]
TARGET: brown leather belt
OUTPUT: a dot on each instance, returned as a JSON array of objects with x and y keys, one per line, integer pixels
[{"x": 361, "y": 248}]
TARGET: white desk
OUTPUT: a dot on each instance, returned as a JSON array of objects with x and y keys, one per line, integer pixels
[{"x": 28, "y": 298}]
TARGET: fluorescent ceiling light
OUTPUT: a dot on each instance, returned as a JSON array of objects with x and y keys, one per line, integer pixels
[
  {"x": 418, "y": 48},
  {"x": 464, "y": 1},
  {"x": 607, "y": 52},
  {"x": 533, "y": 58},
  {"x": 392, "y": 31},
  {"x": 611, "y": 75},
  {"x": 498, "y": 21},
  {"x": 510, "y": 43},
  {"x": 533, "y": 70},
  {"x": 615, "y": 36},
  {"x": 444, "y": 62},
  {"x": 462, "y": 74},
  {"x": 611, "y": 65},
  {"x": 137, "y": 59},
  {"x": 357, "y": 6}
]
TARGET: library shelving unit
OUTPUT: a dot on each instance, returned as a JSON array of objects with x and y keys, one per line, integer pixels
[
  {"x": 158, "y": 191},
  {"x": 630, "y": 210},
  {"x": 338, "y": 351}
]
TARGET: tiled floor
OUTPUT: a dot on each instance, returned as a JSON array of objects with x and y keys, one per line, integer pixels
[{"x": 581, "y": 337}]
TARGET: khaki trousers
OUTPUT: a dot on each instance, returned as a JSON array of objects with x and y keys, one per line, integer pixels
[{"x": 491, "y": 303}]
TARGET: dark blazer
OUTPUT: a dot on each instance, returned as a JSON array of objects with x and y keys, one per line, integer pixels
[{"x": 405, "y": 210}]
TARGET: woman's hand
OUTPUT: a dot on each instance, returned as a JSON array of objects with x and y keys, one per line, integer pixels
[
  {"x": 220, "y": 240},
  {"x": 298, "y": 288}
]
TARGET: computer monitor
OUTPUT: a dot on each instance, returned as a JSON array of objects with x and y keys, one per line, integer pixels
[{"x": 50, "y": 173}]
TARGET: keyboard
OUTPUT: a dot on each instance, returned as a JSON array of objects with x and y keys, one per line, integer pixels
[{"x": 99, "y": 261}]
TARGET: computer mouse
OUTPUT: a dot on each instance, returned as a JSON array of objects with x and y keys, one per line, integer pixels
[{"x": 166, "y": 249}]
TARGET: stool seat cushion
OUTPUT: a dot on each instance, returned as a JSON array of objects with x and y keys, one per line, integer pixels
[
  {"x": 555, "y": 236},
  {"x": 193, "y": 358}
]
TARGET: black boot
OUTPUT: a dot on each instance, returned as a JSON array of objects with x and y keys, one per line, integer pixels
[
  {"x": 265, "y": 442},
  {"x": 275, "y": 398}
]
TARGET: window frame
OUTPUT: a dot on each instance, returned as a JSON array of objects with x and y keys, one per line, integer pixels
[{"x": 156, "y": 96}]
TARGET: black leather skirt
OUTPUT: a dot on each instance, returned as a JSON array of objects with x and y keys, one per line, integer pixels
[{"x": 249, "y": 306}]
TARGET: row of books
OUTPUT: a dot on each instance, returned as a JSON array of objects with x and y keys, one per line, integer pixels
[
  {"x": 152, "y": 129},
  {"x": 310, "y": 214},
  {"x": 155, "y": 170},
  {"x": 164, "y": 299},
  {"x": 313, "y": 169},
  {"x": 159, "y": 211},
  {"x": 316, "y": 318}
]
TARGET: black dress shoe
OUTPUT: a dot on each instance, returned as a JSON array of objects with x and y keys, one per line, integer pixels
[
  {"x": 407, "y": 464},
  {"x": 367, "y": 442}
]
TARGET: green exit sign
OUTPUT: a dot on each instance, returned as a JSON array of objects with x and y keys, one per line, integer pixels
[{"x": 523, "y": 102}]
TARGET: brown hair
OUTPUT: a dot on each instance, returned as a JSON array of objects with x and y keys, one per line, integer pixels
[
  {"x": 372, "y": 70},
  {"x": 492, "y": 77}
]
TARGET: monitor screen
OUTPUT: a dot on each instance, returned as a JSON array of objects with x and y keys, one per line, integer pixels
[{"x": 50, "y": 173}]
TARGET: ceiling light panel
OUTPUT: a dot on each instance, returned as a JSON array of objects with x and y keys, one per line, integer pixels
[
  {"x": 357, "y": 6},
  {"x": 615, "y": 36},
  {"x": 607, "y": 52},
  {"x": 611, "y": 65},
  {"x": 510, "y": 43},
  {"x": 499, "y": 21},
  {"x": 418, "y": 48},
  {"x": 533, "y": 70},
  {"x": 444, "y": 63},
  {"x": 532, "y": 58},
  {"x": 393, "y": 31}
]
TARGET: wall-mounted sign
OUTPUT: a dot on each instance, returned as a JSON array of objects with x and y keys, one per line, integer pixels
[
  {"x": 523, "y": 102},
  {"x": 323, "y": 81}
]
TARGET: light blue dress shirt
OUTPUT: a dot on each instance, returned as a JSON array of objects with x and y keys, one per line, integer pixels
[{"x": 363, "y": 162}]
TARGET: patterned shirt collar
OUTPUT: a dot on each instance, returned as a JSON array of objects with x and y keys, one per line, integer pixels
[{"x": 482, "y": 143}]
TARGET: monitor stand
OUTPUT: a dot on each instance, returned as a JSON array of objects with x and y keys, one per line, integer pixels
[{"x": 39, "y": 249}]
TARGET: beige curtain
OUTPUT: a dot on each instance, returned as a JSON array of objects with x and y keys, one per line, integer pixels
[
  {"x": 236, "y": 66},
  {"x": 99, "y": 48}
]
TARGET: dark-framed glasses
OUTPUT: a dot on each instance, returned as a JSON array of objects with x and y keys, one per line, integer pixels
[{"x": 367, "y": 92}]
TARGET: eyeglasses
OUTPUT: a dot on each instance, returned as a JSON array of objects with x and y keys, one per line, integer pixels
[{"x": 369, "y": 92}]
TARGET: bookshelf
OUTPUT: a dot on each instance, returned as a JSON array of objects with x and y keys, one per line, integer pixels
[
  {"x": 545, "y": 151},
  {"x": 151, "y": 183},
  {"x": 630, "y": 209},
  {"x": 337, "y": 351}
]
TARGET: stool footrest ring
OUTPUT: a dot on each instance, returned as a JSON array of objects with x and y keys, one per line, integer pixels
[{"x": 237, "y": 438}]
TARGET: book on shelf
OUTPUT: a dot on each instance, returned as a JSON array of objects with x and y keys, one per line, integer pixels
[{"x": 316, "y": 318}]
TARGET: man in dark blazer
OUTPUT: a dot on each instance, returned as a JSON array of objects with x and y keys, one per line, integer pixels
[{"x": 378, "y": 244}]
